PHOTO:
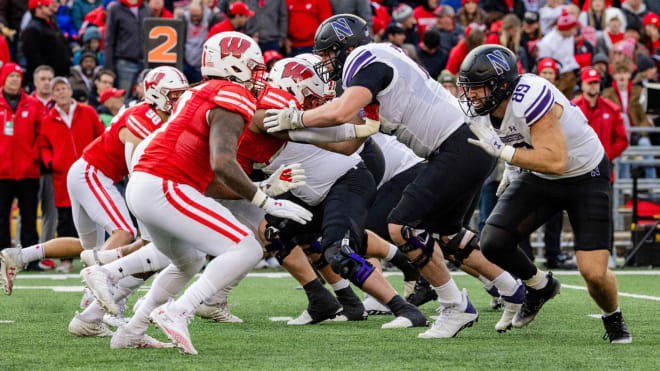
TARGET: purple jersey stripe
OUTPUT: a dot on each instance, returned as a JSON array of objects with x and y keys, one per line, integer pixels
[
  {"x": 543, "y": 108},
  {"x": 360, "y": 62},
  {"x": 350, "y": 64},
  {"x": 536, "y": 101}
]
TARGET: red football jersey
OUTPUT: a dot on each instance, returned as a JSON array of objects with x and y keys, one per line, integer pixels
[
  {"x": 180, "y": 151},
  {"x": 261, "y": 148},
  {"x": 106, "y": 152}
]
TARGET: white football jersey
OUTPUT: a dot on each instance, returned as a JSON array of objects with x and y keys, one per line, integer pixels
[
  {"x": 398, "y": 157},
  {"x": 424, "y": 113},
  {"x": 532, "y": 98},
  {"x": 322, "y": 169}
]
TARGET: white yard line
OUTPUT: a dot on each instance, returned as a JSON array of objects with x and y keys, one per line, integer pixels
[{"x": 625, "y": 294}]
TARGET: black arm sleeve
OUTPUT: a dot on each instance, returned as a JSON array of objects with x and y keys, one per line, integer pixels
[{"x": 375, "y": 77}]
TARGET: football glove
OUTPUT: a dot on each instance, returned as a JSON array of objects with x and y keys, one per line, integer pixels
[
  {"x": 283, "y": 180},
  {"x": 284, "y": 119},
  {"x": 281, "y": 208},
  {"x": 489, "y": 141}
]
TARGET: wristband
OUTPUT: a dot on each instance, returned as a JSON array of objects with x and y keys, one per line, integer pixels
[
  {"x": 259, "y": 198},
  {"x": 507, "y": 153}
]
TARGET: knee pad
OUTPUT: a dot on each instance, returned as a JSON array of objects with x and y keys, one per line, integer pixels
[
  {"x": 452, "y": 249},
  {"x": 275, "y": 246},
  {"x": 348, "y": 264},
  {"x": 316, "y": 248},
  {"x": 423, "y": 241}
]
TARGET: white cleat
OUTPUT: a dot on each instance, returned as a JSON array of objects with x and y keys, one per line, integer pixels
[
  {"x": 114, "y": 321},
  {"x": 99, "y": 283},
  {"x": 87, "y": 298},
  {"x": 174, "y": 323},
  {"x": 125, "y": 339},
  {"x": 11, "y": 263},
  {"x": 217, "y": 313},
  {"x": 303, "y": 319},
  {"x": 87, "y": 258},
  {"x": 81, "y": 328},
  {"x": 509, "y": 312},
  {"x": 374, "y": 308},
  {"x": 451, "y": 321},
  {"x": 398, "y": 322}
]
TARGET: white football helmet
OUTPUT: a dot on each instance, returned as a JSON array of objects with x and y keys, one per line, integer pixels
[
  {"x": 159, "y": 83},
  {"x": 297, "y": 76},
  {"x": 236, "y": 57},
  {"x": 314, "y": 59}
]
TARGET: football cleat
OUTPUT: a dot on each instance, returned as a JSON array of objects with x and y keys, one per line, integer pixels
[
  {"x": 406, "y": 318},
  {"x": 11, "y": 262},
  {"x": 66, "y": 266},
  {"x": 217, "y": 313},
  {"x": 305, "y": 318},
  {"x": 88, "y": 258},
  {"x": 534, "y": 300},
  {"x": 81, "y": 328},
  {"x": 451, "y": 320},
  {"x": 511, "y": 305},
  {"x": 423, "y": 293},
  {"x": 616, "y": 330},
  {"x": 174, "y": 323},
  {"x": 114, "y": 321},
  {"x": 123, "y": 338},
  {"x": 374, "y": 307},
  {"x": 98, "y": 281}
]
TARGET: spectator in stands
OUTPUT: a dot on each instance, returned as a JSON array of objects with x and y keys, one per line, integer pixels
[
  {"x": 65, "y": 131},
  {"x": 450, "y": 33},
  {"x": 510, "y": 36},
  {"x": 305, "y": 16},
  {"x": 395, "y": 34},
  {"x": 197, "y": 18},
  {"x": 651, "y": 32},
  {"x": 271, "y": 57},
  {"x": 42, "y": 41},
  {"x": 623, "y": 51},
  {"x": 614, "y": 30},
  {"x": 635, "y": 10},
  {"x": 549, "y": 14},
  {"x": 11, "y": 14},
  {"x": 474, "y": 36},
  {"x": 103, "y": 80},
  {"x": 627, "y": 97},
  {"x": 646, "y": 71},
  {"x": 516, "y": 7},
  {"x": 470, "y": 13},
  {"x": 603, "y": 115},
  {"x": 239, "y": 14},
  {"x": 595, "y": 15},
  {"x": 158, "y": 9},
  {"x": 82, "y": 76},
  {"x": 529, "y": 36},
  {"x": 91, "y": 43},
  {"x": 602, "y": 65},
  {"x": 433, "y": 58},
  {"x": 20, "y": 116},
  {"x": 559, "y": 44},
  {"x": 361, "y": 8},
  {"x": 80, "y": 9},
  {"x": 448, "y": 81},
  {"x": 42, "y": 77},
  {"x": 138, "y": 89},
  {"x": 403, "y": 14},
  {"x": 270, "y": 24},
  {"x": 424, "y": 16},
  {"x": 547, "y": 68},
  {"x": 112, "y": 100},
  {"x": 123, "y": 48}
]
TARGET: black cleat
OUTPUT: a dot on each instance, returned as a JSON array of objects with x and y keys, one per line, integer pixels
[
  {"x": 616, "y": 329},
  {"x": 423, "y": 293},
  {"x": 534, "y": 300}
]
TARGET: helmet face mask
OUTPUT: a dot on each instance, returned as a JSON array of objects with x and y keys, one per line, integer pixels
[
  {"x": 484, "y": 103},
  {"x": 163, "y": 86},
  {"x": 297, "y": 76}
]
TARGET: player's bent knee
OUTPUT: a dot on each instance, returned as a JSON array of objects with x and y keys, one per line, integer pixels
[
  {"x": 459, "y": 247},
  {"x": 347, "y": 263},
  {"x": 594, "y": 276},
  {"x": 395, "y": 234}
]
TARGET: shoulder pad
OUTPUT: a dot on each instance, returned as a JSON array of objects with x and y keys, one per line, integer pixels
[
  {"x": 273, "y": 98},
  {"x": 532, "y": 98},
  {"x": 357, "y": 60},
  {"x": 235, "y": 98}
]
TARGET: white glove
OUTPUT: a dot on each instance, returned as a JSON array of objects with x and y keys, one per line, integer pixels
[
  {"x": 510, "y": 174},
  {"x": 489, "y": 141},
  {"x": 283, "y": 179},
  {"x": 282, "y": 208},
  {"x": 283, "y": 119}
]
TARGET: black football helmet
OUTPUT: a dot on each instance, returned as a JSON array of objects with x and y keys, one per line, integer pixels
[
  {"x": 488, "y": 66},
  {"x": 338, "y": 34}
]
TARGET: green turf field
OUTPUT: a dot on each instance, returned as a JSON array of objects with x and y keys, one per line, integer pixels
[{"x": 562, "y": 337}]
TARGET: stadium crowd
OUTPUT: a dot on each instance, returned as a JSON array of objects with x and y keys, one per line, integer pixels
[{"x": 78, "y": 62}]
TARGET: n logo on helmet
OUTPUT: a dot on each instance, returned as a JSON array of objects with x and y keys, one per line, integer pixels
[
  {"x": 341, "y": 28},
  {"x": 153, "y": 82},
  {"x": 234, "y": 46},
  {"x": 498, "y": 61},
  {"x": 296, "y": 71}
]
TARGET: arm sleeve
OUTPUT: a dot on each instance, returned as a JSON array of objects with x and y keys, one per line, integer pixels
[
  {"x": 331, "y": 134},
  {"x": 375, "y": 77},
  {"x": 619, "y": 137}
]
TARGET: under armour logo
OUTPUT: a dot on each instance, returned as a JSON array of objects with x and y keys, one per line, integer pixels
[
  {"x": 512, "y": 128},
  {"x": 595, "y": 172}
]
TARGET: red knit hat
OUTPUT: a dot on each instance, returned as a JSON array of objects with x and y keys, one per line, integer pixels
[
  {"x": 566, "y": 21},
  {"x": 9, "y": 68},
  {"x": 34, "y": 4},
  {"x": 463, "y": 2},
  {"x": 546, "y": 63}
]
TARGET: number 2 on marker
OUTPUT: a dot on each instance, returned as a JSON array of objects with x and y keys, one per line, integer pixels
[{"x": 163, "y": 52}]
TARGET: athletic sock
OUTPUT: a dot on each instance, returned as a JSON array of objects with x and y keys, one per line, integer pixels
[
  {"x": 339, "y": 285},
  {"x": 538, "y": 280},
  {"x": 195, "y": 295},
  {"x": 506, "y": 284},
  {"x": 108, "y": 256},
  {"x": 391, "y": 253},
  {"x": 32, "y": 253},
  {"x": 448, "y": 294},
  {"x": 604, "y": 314}
]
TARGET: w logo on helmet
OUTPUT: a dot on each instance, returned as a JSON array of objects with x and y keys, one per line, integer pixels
[
  {"x": 341, "y": 28},
  {"x": 498, "y": 61},
  {"x": 234, "y": 46},
  {"x": 154, "y": 81},
  {"x": 297, "y": 72}
]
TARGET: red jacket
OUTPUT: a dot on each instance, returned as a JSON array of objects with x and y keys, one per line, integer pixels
[
  {"x": 19, "y": 134},
  {"x": 606, "y": 120},
  {"x": 223, "y": 26},
  {"x": 425, "y": 20},
  {"x": 305, "y": 16},
  {"x": 60, "y": 146},
  {"x": 456, "y": 57}
]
